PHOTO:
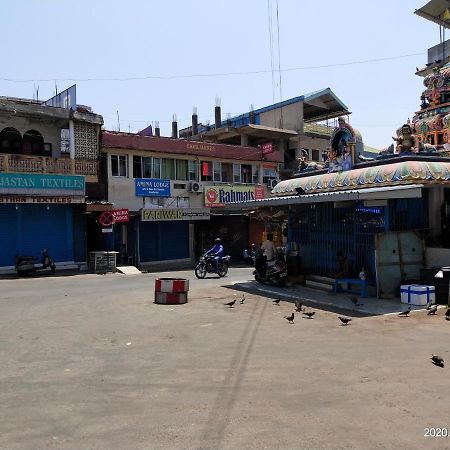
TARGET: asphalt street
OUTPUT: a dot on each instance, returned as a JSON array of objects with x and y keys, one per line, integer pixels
[{"x": 90, "y": 362}]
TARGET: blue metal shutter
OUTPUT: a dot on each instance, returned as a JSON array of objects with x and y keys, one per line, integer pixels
[
  {"x": 161, "y": 241},
  {"x": 8, "y": 234},
  {"x": 50, "y": 228},
  {"x": 148, "y": 241},
  {"x": 174, "y": 240}
]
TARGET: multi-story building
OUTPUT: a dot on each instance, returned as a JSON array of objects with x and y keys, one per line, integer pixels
[
  {"x": 298, "y": 127},
  {"x": 48, "y": 167},
  {"x": 175, "y": 190}
]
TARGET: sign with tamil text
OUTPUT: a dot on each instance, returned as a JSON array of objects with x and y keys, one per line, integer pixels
[
  {"x": 156, "y": 215},
  {"x": 221, "y": 195},
  {"x": 152, "y": 187},
  {"x": 42, "y": 184}
]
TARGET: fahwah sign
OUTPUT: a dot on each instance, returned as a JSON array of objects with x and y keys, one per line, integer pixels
[{"x": 221, "y": 195}]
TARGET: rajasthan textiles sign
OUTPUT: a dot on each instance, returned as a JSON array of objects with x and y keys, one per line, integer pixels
[
  {"x": 221, "y": 195},
  {"x": 42, "y": 184},
  {"x": 157, "y": 215}
]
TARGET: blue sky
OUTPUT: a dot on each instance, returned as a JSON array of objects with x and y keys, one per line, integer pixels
[{"x": 50, "y": 40}]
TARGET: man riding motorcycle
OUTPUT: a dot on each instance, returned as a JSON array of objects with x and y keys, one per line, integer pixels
[{"x": 217, "y": 252}]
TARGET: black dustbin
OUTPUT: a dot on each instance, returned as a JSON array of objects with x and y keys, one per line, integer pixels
[{"x": 439, "y": 277}]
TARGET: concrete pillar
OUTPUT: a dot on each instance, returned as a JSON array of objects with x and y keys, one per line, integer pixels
[
  {"x": 244, "y": 139},
  {"x": 435, "y": 200},
  {"x": 72, "y": 139}
]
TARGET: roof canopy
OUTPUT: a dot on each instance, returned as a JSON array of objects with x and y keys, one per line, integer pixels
[
  {"x": 405, "y": 172},
  {"x": 434, "y": 11}
]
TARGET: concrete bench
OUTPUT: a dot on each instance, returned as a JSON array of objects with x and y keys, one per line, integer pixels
[{"x": 350, "y": 282}]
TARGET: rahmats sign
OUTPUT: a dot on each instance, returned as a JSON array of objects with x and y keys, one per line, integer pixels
[{"x": 216, "y": 196}]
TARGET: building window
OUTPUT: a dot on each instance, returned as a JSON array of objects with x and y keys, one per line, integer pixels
[
  {"x": 156, "y": 169},
  {"x": 217, "y": 171},
  {"x": 119, "y": 166},
  {"x": 315, "y": 155},
  {"x": 65, "y": 140},
  {"x": 227, "y": 172},
  {"x": 142, "y": 167},
  {"x": 269, "y": 174},
  {"x": 168, "y": 169},
  {"x": 192, "y": 168},
  {"x": 206, "y": 171},
  {"x": 255, "y": 174},
  {"x": 10, "y": 141},
  {"x": 182, "y": 169},
  {"x": 236, "y": 173},
  {"x": 246, "y": 173}
]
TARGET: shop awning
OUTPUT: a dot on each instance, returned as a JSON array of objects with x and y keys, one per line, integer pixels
[
  {"x": 377, "y": 193},
  {"x": 437, "y": 11}
]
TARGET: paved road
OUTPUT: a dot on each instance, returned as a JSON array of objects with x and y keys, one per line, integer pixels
[{"x": 89, "y": 362}]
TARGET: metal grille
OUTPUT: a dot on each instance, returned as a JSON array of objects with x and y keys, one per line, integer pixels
[
  {"x": 86, "y": 141},
  {"x": 321, "y": 230}
]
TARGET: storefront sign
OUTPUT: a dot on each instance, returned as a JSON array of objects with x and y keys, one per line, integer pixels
[
  {"x": 267, "y": 148},
  {"x": 221, "y": 195},
  {"x": 154, "y": 215},
  {"x": 42, "y": 184},
  {"x": 54, "y": 200},
  {"x": 121, "y": 215},
  {"x": 152, "y": 187}
]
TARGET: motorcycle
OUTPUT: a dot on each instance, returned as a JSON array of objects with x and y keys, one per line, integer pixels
[
  {"x": 206, "y": 265},
  {"x": 273, "y": 272},
  {"x": 27, "y": 264},
  {"x": 249, "y": 255}
]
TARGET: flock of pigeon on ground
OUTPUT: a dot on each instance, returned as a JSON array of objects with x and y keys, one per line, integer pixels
[{"x": 431, "y": 308}]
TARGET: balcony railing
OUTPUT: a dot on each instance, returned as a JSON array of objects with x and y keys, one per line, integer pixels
[{"x": 42, "y": 164}]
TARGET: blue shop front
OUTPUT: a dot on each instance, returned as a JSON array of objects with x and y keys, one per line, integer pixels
[{"x": 40, "y": 211}]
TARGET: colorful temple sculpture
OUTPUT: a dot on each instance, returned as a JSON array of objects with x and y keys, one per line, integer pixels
[{"x": 391, "y": 214}]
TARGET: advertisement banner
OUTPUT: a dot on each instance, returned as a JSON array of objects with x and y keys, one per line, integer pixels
[
  {"x": 160, "y": 214},
  {"x": 216, "y": 196},
  {"x": 267, "y": 148},
  {"x": 42, "y": 184},
  {"x": 152, "y": 187},
  {"x": 121, "y": 215}
]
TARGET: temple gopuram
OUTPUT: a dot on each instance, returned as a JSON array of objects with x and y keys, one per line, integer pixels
[{"x": 389, "y": 215}]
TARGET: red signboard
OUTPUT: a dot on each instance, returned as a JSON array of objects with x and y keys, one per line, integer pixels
[
  {"x": 121, "y": 215},
  {"x": 106, "y": 218},
  {"x": 205, "y": 169},
  {"x": 267, "y": 148},
  {"x": 259, "y": 192}
]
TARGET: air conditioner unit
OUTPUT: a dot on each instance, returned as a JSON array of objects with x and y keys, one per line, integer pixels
[
  {"x": 272, "y": 183},
  {"x": 195, "y": 186}
]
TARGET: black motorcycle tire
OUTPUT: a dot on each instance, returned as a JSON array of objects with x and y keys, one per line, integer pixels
[
  {"x": 279, "y": 282},
  {"x": 223, "y": 270},
  {"x": 52, "y": 267},
  {"x": 258, "y": 279},
  {"x": 200, "y": 270}
]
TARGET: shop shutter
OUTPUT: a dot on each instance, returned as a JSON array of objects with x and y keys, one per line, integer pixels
[
  {"x": 148, "y": 241},
  {"x": 174, "y": 237},
  {"x": 50, "y": 228},
  {"x": 8, "y": 234},
  {"x": 162, "y": 241}
]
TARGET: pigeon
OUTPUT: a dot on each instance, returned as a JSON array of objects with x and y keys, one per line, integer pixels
[
  {"x": 429, "y": 305},
  {"x": 417, "y": 69},
  {"x": 354, "y": 300},
  {"x": 299, "y": 305},
  {"x": 344, "y": 320},
  {"x": 230, "y": 304},
  {"x": 405, "y": 313},
  {"x": 310, "y": 314},
  {"x": 277, "y": 301},
  {"x": 437, "y": 360},
  {"x": 243, "y": 299},
  {"x": 290, "y": 318},
  {"x": 432, "y": 310},
  {"x": 447, "y": 314}
]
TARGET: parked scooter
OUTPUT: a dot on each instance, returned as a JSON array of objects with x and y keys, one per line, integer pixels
[
  {"x": 249, "y": 255},
  {"x": 206, "y": 265},
  {"x": 274, "y": 271},
  {"x": 26, "y": 265}
]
